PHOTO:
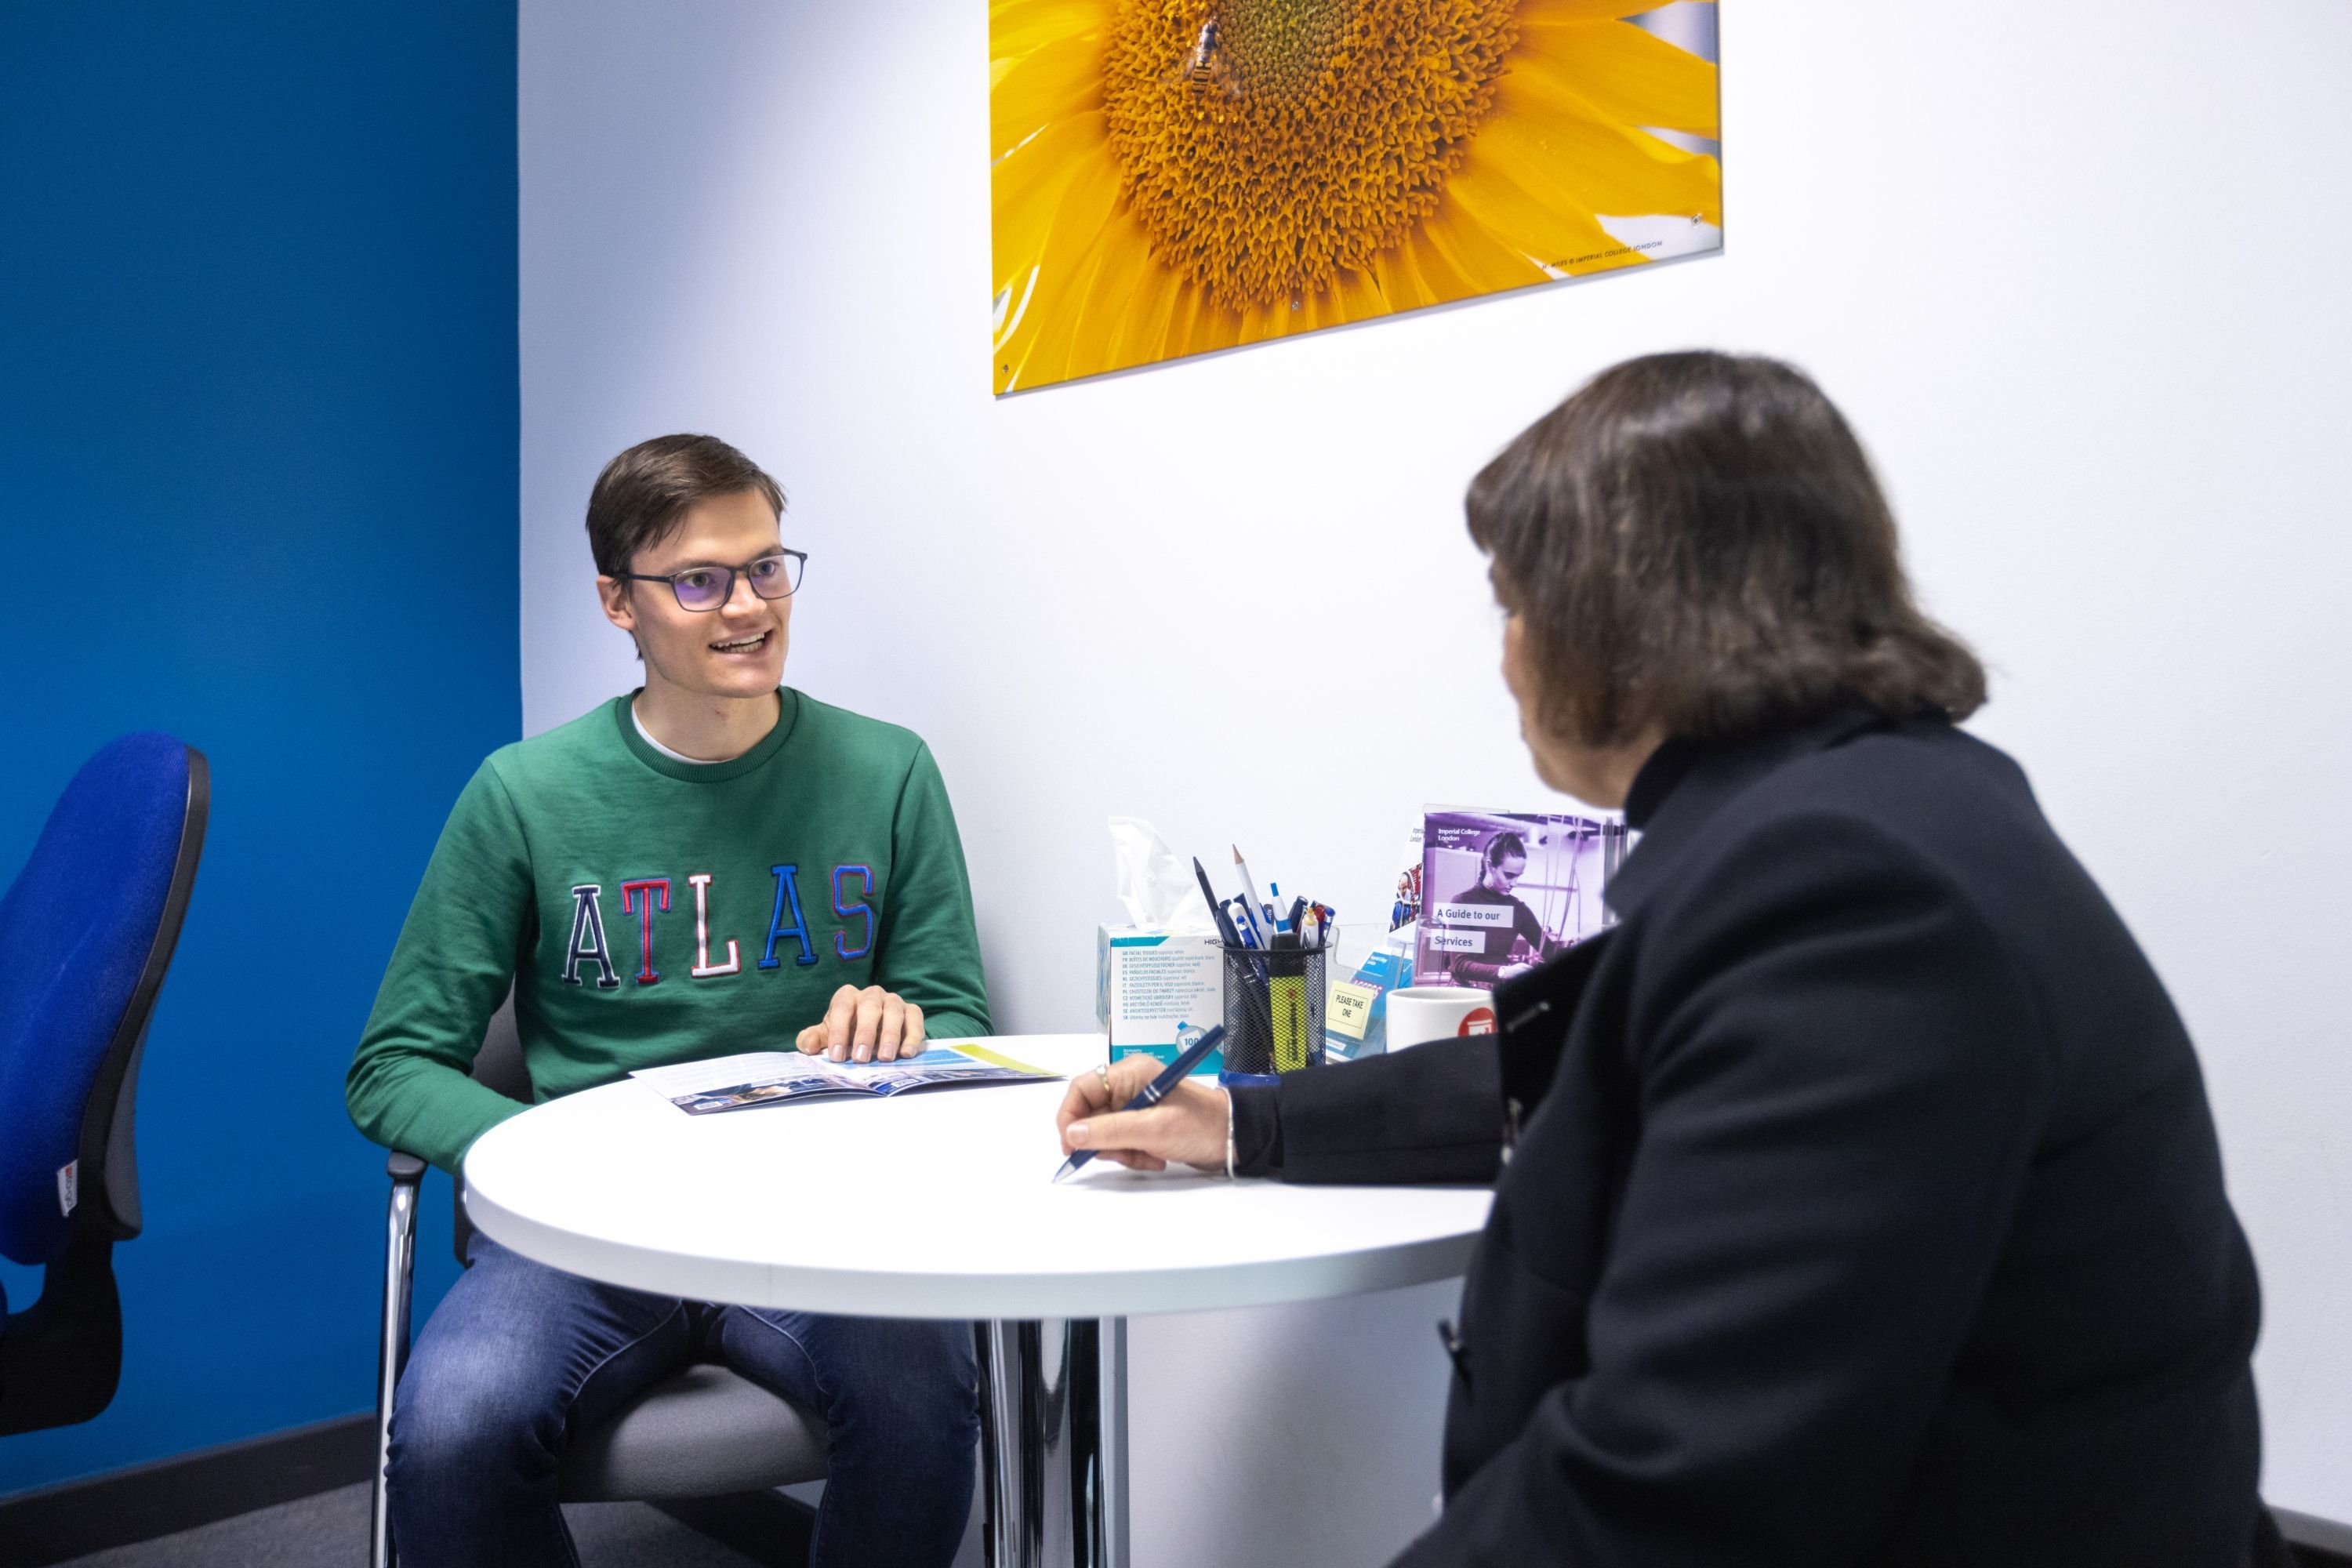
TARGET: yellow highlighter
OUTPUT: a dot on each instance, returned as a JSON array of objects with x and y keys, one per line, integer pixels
[{"x": 1286, "y": 996}]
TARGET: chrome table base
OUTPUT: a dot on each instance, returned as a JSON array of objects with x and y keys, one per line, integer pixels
[{"x": 1053, "y": 1442}]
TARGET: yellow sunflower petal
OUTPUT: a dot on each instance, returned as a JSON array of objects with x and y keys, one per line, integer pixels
[
  {"x": 1553, "y": 233},
  {"x": 1537, "y": 13},
  {"x": 1470, "y": 251},
  {"x": 1184, "y": 306},
  {"x": 1068, "y": 266},
  {"x": 1356, "y": 297},
  {"x": 1630, "y": 76},
  {"x": 1050, "y": 84},
  {"x": 1017, "y": 26},
  {"x": 1369, "y": 285},
  {"x": 1029, "y": 186},
  {"x": 1065, "y": 262},
  {"x": 1196, "y": 325},
  {"x": 1040, "y": 350},
  {"x": 1215, "y": 326},
  {"x": 1122, "y": 272},
  {"x": 1147, "y": 326},
  {"x": 1326, "y": 307},
  {"x": 1012, "y": 346},
  {"x": 1258, "y": 323},
  {"x": 1218, "y": 326},
  {"x": 1585, "y": 163},
  {"x": 1397, "y": 274}
]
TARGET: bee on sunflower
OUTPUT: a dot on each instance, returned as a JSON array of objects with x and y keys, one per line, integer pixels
[{"x": 1172, "y": 176}]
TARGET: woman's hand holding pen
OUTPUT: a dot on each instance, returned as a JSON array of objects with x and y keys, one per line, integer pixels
[{"x": 1189, "y": 1126}]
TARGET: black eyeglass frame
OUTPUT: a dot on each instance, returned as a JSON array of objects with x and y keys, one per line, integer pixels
[{"x": 744, "y": 572}]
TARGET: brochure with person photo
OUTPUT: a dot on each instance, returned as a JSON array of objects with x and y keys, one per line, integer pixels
[
  {"x": 1503, "y": 892},
  {"x": 779, "y": 1077}
]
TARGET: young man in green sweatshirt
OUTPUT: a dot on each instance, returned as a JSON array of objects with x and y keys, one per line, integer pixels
[{"x": 711, "y": 864}]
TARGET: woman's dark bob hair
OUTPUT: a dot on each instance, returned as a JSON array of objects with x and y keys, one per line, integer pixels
[{"x": 1694, "y": 545}]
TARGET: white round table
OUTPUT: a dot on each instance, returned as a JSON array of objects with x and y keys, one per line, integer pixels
[{"x": 941, "y": 1205}]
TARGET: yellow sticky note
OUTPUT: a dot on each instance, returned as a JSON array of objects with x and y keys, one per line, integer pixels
[{"x": 1351, "y": 1013}]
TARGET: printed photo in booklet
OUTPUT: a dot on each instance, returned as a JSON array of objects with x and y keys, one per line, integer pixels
[
  {"x": 1503, "y": 892},
  {"x": 779, "y": 1077}
]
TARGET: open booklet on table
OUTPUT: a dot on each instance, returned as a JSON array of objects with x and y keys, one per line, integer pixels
[{"x": 779, "y": 1077}]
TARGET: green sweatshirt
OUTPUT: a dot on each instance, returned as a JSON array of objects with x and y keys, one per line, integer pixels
[{"x": 649, "y": 910}]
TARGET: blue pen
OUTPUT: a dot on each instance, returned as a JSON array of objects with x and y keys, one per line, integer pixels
[{"x": 1157, "y": 1089}]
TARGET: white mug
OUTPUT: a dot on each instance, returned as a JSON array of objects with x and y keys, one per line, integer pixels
[{"x": 1420, "y": 1014}]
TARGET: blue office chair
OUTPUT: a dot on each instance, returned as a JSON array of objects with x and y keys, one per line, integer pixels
[
  {"x": 88, "y": 930},
  {"x": 704, "y": 1431}
]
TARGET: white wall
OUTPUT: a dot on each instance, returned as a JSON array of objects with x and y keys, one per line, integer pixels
[{"x": 2074, "y": 272}]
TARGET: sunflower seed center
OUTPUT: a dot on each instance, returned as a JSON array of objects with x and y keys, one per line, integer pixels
[
  {"x": 1279, "y": 48},
  {"x": 1266, "y": 145}
]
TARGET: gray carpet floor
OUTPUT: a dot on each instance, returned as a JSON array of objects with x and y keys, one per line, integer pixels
[{"x": 330, "y": 1531}]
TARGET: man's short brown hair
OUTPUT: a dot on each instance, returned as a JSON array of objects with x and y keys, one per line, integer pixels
[
  {"x": 1696, "y": 542},
  {"x": 642, "y": 494}
]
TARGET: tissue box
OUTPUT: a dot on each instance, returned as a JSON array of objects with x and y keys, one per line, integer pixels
[{"x": 1148, "y": 981}]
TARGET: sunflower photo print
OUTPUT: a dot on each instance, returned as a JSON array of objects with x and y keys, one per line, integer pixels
[{"x": 1172, "y": 176}]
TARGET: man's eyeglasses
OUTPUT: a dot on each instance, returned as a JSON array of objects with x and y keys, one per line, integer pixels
[{"x": 702, "y": 588}]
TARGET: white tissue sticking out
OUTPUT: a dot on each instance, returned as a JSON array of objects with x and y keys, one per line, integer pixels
[{"x": 1157, "y": 890}]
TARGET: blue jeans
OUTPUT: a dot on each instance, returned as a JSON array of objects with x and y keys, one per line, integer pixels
[{"x": 519, "y": 1355}]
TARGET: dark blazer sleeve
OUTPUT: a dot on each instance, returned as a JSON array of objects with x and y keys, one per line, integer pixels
[
  {"x": 1430, "y": 1115},
  {"x": 1840, "y": 1079}
]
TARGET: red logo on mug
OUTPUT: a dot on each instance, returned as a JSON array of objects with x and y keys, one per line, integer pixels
[{"x": 1477, "y": 1021}]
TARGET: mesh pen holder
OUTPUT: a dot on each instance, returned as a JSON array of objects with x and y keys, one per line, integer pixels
[{"x": 1274, "y": 1012}]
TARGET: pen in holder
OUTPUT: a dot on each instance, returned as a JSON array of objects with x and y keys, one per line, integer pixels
[{"x": 1273, "y": 1010}]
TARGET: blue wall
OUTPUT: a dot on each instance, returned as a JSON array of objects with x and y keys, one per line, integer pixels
[{"x": 259, "y": 437}]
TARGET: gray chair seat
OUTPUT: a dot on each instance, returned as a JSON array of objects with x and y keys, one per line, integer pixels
[{"x": 701, "y": 1432}]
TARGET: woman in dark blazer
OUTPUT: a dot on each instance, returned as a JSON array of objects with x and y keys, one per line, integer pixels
[{"x": 1856, "y": 1197}]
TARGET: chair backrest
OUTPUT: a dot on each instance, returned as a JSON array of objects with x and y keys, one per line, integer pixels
[
  {"x": 498, "y": 1064},
  {"x": 89, "y": 927}
]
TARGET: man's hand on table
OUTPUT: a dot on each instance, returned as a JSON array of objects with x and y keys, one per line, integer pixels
[
  {"x": 1188, "y": 1126},
  {"x": 868, "y": 1025}
]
